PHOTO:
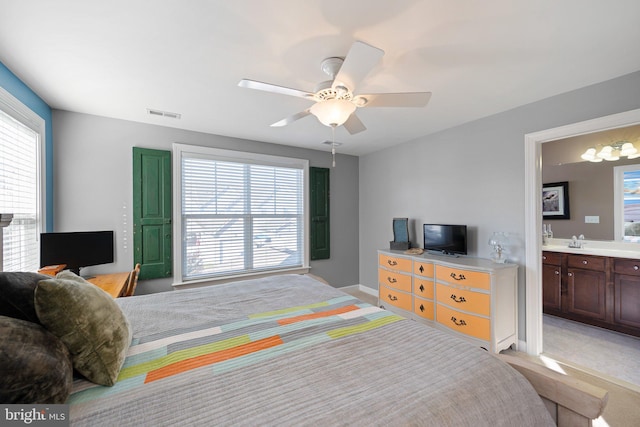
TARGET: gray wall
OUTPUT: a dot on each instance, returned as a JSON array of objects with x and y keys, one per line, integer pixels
[
  {"x": 93, "y": 186},
  {"x": 472, "y": 174}
]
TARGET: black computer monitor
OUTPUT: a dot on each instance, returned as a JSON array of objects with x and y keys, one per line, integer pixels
[{"x": 76, "y": 249}]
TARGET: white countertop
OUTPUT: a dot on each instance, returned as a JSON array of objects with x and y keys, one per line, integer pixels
[{"x": 596, "y": 247}]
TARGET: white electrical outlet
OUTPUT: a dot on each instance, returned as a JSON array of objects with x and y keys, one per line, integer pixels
[{"x": 592, "y": 219}]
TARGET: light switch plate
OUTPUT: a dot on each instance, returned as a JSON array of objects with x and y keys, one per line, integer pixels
[{"x": 592, "y": 219}]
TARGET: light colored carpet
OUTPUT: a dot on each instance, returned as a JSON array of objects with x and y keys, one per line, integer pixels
[
  {"x": 595, "y": 349},
  {"x": 623, "y": 407}
]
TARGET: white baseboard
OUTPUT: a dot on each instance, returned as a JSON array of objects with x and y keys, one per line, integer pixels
[
  {"x": 361, "y": 288},
  {"x": 522, "y": 346}
]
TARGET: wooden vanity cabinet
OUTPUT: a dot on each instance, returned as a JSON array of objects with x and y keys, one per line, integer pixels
[
  {"x": 551, "y": 282},
  {"x": 626, "y": 290},
  {"x": 597, "y": 290},
  {"x": 586, "y": 285}
]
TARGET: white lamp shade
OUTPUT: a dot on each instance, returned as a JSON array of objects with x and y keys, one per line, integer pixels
[
  {"x": 333, "y": 112},
  {"x": 590, "y": 154},
  {"x": 605, "y": 152},
  {"x": 608, "y": 153},
  {"x": 628, "y": 149}
]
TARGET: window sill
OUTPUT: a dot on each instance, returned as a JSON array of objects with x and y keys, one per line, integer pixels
[{"x": 226, "y": 279}]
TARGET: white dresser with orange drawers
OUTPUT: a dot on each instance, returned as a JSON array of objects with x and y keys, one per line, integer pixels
[{"x": 471, "y": 297}]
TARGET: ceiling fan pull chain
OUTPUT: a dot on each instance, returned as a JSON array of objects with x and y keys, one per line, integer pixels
[{"x": 333, "y": 146}]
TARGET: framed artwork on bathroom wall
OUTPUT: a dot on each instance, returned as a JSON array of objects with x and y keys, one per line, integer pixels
[{"x": 555, "y": 200}]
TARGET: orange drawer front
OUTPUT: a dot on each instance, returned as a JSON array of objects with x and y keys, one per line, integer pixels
[
  {"x": 468, "y": 324},
  {"x": 472, "y": 279},
  {"x": 395, "y": 263},
  {"x": 464, "y": 300},
  {"x": 394, "y": 297},
  {"x": 423, "y": 308},
  {"x": 424, "y": 269},
  {"x": 395, "y": 280},
  {"x": 423, "y": 288}
]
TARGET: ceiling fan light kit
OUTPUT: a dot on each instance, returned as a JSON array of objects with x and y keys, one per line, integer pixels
[
  {"x": 335, "y": 102},
  {"x": 333, "y": 112}
]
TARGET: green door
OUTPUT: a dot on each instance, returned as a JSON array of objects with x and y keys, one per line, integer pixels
[
  {"x": 152, "y": 212},
  {"x": 320, "y": 232}
]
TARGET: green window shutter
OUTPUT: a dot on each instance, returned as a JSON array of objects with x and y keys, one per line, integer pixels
[
  {"x": 320, "y": 230},
  {"x": 152, "y": 212}
]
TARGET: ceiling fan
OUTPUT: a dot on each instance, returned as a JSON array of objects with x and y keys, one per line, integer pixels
[{"x": 335, "y": 100}]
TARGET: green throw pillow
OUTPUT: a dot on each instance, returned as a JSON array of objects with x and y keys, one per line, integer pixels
[
  {"x": 34, "y": 364},
  {"x": 89, "y": 323}
]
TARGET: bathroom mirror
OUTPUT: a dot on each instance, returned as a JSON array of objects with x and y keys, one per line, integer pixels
[{"x": 591, "y": 185}]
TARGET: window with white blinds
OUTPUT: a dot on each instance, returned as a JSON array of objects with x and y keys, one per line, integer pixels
[
  {"x": 19, "y": 193},
  {"x": 240, "y": 215}
]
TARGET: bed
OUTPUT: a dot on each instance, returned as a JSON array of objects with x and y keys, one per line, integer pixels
[{"x": 290, "y": 350}]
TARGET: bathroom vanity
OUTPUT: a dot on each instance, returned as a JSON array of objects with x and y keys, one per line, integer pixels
[{"x": 598, "y": 284}]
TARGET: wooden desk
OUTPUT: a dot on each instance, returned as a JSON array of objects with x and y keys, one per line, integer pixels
[{"x": 114, "y": 284}]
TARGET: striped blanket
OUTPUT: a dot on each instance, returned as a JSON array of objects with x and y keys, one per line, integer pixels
[
  {"x": 291, "y": 351},
  {"x": 238, "y": 343}
]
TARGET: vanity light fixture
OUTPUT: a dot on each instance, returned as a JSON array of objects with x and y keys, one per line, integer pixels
[{"x": 611, "y": 152}]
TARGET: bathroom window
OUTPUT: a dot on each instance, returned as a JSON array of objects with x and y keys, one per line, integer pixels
[{"x": 627, "y": 202}]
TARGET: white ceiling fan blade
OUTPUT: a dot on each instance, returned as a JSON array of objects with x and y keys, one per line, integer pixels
[
  {"x": 407, "y": 99},
  {"x": 357, "y": 64},
  {"x": 268, "y": 87},
  {"x": 291, "y": 119},
  {"x": 353, "y": 124}
]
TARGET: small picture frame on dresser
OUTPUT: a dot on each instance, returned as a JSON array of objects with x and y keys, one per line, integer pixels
[
  {"x": 400, "y": 235},
  {"x": 399, "y": 246}
]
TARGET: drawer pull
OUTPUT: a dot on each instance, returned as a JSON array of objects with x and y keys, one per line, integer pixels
[
  {"x": 584, "y": 262},
  {"x": 458, "y": 300},
  {"x": 570, "y": 274},
  {"x": 421, "y": 288},
  {"x": 421, "y": 268},
  {"x": 557, "y": 272},
  {"x": 458, "y": 323},
  {"x": 392, "y": 298},
  {"x": 392, "y": 262},
  {"x": 544, "y": 257},
  {"x": 458, "y": 276},
  {"x": 422, "y": 308},
  {"x": 635, "y": 267},
  {"x": 391, "y": 279}
]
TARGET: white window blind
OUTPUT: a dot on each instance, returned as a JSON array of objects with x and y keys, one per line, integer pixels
[
  {"x": 240, "y": 217},
  {"x": 19, "y": 193}
]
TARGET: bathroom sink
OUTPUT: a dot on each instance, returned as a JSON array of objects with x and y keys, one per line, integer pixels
[{"x": 612, "y": 249}]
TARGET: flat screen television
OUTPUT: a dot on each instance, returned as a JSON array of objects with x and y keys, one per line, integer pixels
[
  {"x": 445, "y": 238},
  {"x": 76, "y": 249}
]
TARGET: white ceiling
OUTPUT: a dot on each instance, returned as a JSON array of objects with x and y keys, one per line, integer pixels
[{"x": 117, "y": 58}]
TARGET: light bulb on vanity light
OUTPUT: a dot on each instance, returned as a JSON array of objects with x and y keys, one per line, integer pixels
[{"x": 590, "y": 155}]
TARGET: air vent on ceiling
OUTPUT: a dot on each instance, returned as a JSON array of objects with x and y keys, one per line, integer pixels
[
  {"x": 163, "y": 113},
  {"x": 335, "y": 144}
]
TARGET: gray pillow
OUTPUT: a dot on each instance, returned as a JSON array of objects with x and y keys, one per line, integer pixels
[
  {"x": 16, "y": 294},
  {"x": 89, "y": 323},
  {"x": 35, "y": 366}
]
